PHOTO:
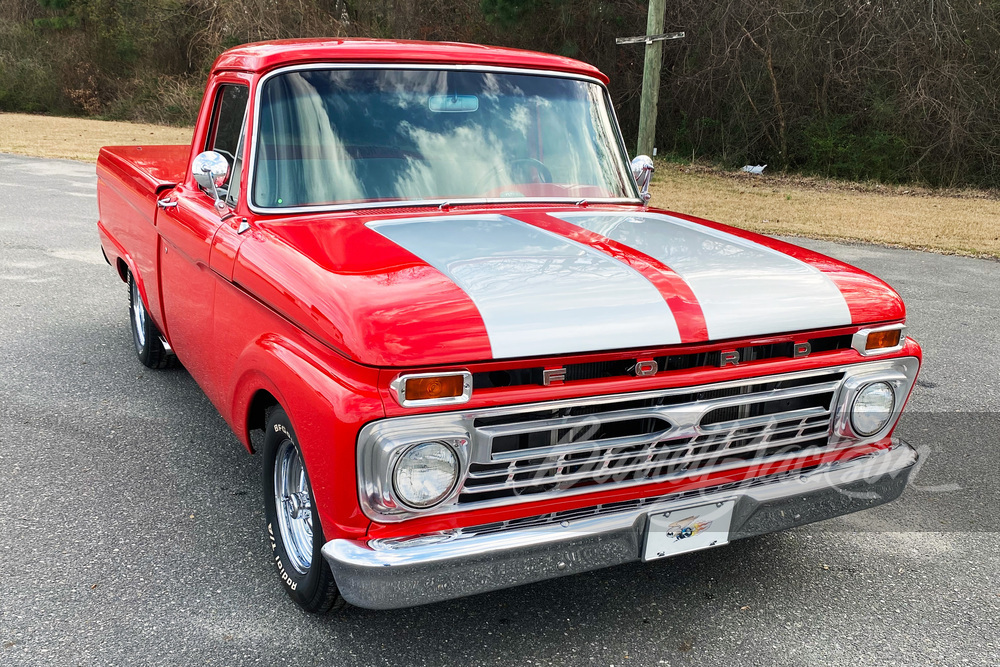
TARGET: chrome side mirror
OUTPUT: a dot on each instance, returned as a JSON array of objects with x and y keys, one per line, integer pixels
[
  {"x": 642, "y": 172},
  {"x": 210, "y": 170}
]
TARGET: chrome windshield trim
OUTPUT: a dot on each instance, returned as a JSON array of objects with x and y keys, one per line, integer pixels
[
  {"x": 251, "y": 165},
  {"x": 435, "y": 203}
]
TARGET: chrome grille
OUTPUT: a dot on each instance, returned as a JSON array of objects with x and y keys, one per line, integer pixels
[
  {"x": 629, "y": 441},
  {"x": 562, "y": 448}
]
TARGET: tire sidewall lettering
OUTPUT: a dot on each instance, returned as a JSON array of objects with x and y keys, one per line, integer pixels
[{"x": 287, "y": 576}]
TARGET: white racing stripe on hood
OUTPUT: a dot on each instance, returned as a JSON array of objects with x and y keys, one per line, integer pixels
[
  {"x": 744, "y": 288},
  {"x": 538, "y": 293}
]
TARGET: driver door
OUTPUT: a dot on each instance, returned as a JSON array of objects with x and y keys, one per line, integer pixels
[{"x": 187, "y": 231}]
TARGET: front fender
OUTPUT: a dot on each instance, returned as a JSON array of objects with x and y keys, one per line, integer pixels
[{"x": 328, "y": 399}]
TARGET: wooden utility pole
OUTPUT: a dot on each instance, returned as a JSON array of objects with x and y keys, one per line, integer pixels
[
  {"x": 653, "y": 40},
  {"x": 651, "y": 79}
]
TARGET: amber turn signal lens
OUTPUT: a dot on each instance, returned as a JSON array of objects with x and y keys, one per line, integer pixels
[
  {"x": 445, "y": 386},
  {"x": 878, "y": 340}
]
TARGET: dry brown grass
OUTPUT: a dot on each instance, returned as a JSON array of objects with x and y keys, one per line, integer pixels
[
  {"x": 78, "y": 138},
  {"x": 965, "y": 222}
]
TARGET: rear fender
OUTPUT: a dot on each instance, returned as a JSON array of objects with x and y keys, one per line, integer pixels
[{"x": 114, "y": 251}]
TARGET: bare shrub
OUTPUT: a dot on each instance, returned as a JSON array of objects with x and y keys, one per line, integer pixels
[{"x": 86, "y": 97}]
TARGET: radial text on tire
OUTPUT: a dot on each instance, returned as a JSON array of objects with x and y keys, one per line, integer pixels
[{"x": 293, "y": 529}]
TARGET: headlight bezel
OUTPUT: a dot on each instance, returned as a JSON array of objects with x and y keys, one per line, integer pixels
[
  {"x": 376, "y": 464},
  {"x": 859, "y": 395},
  {"x": 898, "y": 373},
  {"x": 456, "y": 476}
]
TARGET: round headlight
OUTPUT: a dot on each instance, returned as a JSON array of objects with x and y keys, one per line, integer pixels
[
  {"x": 425, "y": 474},
  {"x": 872, "y": 408}
]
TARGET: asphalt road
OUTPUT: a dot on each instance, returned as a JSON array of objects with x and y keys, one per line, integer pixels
[{"x": 132, "y": 530}]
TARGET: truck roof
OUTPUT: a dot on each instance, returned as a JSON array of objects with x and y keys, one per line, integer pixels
[{"x": 263, "y": 56}]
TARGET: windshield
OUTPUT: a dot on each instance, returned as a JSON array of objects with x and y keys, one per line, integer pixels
[{"x": 347, "y": 136}]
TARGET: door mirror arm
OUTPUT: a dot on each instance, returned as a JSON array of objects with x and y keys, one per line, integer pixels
[{"x": 642, "y": 172}]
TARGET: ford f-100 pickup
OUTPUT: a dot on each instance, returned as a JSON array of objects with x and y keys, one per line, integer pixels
[{"x": 423, "y": 283}]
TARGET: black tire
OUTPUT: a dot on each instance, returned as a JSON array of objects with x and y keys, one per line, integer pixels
[
  {"x": 145, "y": 334},
  {"x": 310, "y": 585}
]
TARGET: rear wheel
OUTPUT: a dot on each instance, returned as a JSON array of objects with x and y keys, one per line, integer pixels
[
  {"x": 145, "y": 335},
  {"x": 293, "y": 527}
]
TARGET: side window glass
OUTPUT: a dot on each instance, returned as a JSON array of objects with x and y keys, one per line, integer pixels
[{"x": 226, "y": 135}]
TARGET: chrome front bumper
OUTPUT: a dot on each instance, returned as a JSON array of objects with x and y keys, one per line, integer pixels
[{"x": 380, "y": 575}]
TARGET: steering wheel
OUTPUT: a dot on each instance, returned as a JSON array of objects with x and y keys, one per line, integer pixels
[{"x": 515, "y": 171}]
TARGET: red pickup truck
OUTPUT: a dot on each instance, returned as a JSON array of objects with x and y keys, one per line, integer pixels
[{"x": 423, "y": 283}]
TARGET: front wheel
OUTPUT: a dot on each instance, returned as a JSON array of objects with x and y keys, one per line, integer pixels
[{"x": 293, "y": 527}]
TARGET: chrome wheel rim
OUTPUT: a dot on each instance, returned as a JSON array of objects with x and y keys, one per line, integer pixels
[
  {"x": 138, "y": 317},
  {"x": 294, "y": 506}
]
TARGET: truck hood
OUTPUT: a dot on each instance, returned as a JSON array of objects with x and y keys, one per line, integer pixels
[{"x": 443, "y": 288}]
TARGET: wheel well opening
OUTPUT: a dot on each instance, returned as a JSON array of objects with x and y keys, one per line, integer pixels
[
  {"x": 257, "y": 416},
  {"x": 122, "y": 270}
]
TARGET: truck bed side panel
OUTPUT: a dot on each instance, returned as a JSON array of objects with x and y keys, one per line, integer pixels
[{"x": 130, "y": 178}]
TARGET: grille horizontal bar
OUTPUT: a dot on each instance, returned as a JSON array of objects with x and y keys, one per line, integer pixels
[
  {"x": 662, "y": 460},
  {"x": 559, "y": 450},
  {"x": 719, "y": 436}
]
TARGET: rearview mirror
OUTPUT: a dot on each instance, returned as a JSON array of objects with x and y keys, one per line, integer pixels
[
  {"x": 210, "y": 171},
  {"x": 642, "y": 172}
]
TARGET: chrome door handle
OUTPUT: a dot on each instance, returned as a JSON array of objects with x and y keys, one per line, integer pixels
[{"x": 166, "y": 202}]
